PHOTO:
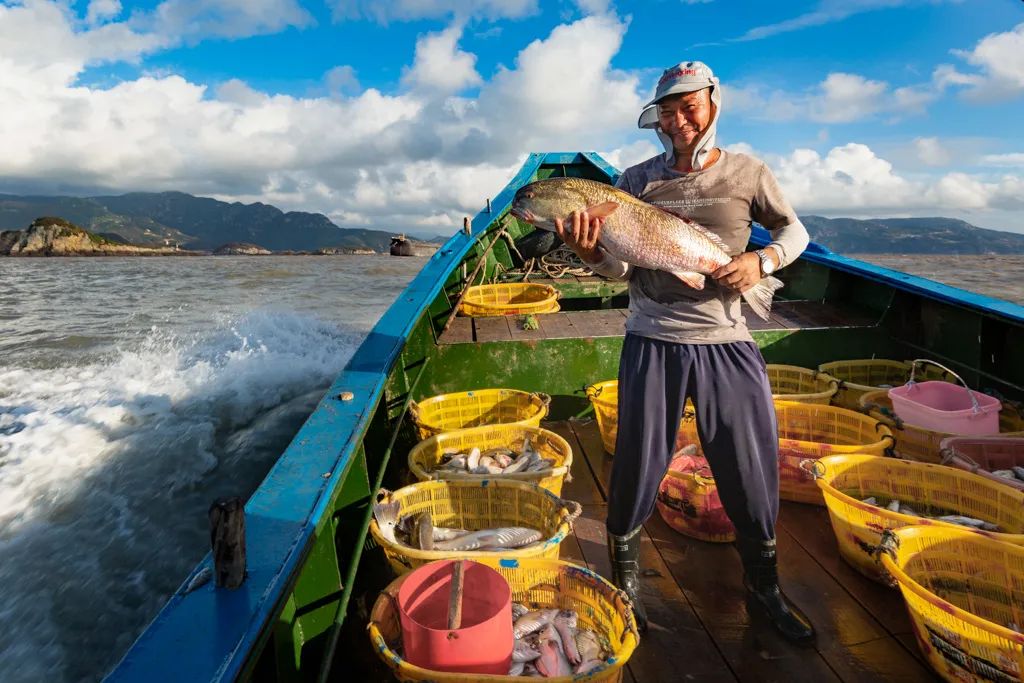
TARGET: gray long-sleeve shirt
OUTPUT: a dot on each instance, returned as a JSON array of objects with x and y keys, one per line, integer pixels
[{"x": 725, "y": 198}]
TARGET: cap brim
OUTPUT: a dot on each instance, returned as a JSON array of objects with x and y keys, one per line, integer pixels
[{"x": 678, "y": 89}]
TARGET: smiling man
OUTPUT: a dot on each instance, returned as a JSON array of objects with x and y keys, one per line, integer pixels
[{"x": 683, "y": 343}]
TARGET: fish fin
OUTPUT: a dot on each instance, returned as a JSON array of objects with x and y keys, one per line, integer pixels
[
  {"x": 602, "y": 210},
  {"x": 691, "y": 279},
  {"x": 760, "y": 296}
]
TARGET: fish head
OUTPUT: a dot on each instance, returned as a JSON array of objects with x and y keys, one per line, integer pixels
[{"x": 541, "y": 202}]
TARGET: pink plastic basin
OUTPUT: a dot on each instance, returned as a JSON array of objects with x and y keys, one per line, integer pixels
[
  {"x": 482, "y": 644},
  {"x": 946, "y": 407}
]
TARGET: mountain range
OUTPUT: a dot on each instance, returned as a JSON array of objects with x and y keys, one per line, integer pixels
[{"x": 201, "y": 223}]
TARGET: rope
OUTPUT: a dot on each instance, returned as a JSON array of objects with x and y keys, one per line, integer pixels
[{"x": 555, "y": 264}]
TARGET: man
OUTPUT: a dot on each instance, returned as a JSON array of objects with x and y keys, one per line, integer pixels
[{"x": 684, "y": 343}]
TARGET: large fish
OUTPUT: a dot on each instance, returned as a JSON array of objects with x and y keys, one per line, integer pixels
[
  {"x": 490, "y": 539},
  {"x": 637, "y": 232}
]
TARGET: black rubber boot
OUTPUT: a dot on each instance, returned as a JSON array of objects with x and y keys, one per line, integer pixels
[
  {"x": 761, "y": 578},
  {"x": 624, "y": 553}
]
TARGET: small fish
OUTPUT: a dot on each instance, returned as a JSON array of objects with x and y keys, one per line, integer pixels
[
  {"x": 565, "y": 623},
  {"x": 386, "y": 515},
  {"x": 893, "y": 506},
  {"x": 486, "y": 539},
  {"x": 907, "y": 510},
  {"x": 502, "y": 460},
  {"x": 518, "y": 610},
  {"x": 588, "y": 665},
  {"x": 870, "y": 501},
  {"x": 456, "y": 463},
  {"x": 447, "y": 534},
  {"x": 1018, "y": 472},
  {"x": 963, "y": 520},
  {"x": 201, "y": 578},
  {"x": 516, "y": 668},
  {"x": 588, "y": 645},
  {"x": 425, "y": 531},
  {"x": 552, "y": 661},
  {"x": 1005, "y": 474},
  {"x": 540, "y": 465},
  {"x": 533, "y": 621},
  {"x": 522, "y": 651},
  {"x": 473, "y": 460},
  {"x": 518, "y": 465}
]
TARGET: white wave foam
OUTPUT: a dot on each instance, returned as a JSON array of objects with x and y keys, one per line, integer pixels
[{"x": 106, "y": 471}]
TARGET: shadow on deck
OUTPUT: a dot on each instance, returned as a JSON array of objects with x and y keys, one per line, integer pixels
[{"x": 700, "y": 628}]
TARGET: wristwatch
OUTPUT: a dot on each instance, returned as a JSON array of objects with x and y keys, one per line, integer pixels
[{"x": 767, "y": 265}]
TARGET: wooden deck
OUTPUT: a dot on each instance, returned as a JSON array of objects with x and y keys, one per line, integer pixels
[
  {"x": 785, "y": 315},
  {"x": 700, "y": 629}
]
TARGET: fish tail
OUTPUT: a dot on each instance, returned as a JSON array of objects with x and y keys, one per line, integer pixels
[
  {"x": 760, "y": 296},
  {"x": 386, "y": 513}
]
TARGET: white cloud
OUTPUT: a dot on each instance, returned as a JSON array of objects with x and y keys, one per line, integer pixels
[
  {"x": 851, "y": 180},
  {"x": 440, "y": 65},
  {"x": 840, "y": 98},
  {"x": 101, "y": 10},
  {"x": 195, "y": 19},
  {"x": 593, "y": 6},
  {"x": 826, "y": 12},
  {"x": 999, "y": 58},
  {"x": 931, "y": 152},
  {"x": 1012, "y": 159},
  {"x": 418, "y": 157},
  {"x": 384, "y": 11}
]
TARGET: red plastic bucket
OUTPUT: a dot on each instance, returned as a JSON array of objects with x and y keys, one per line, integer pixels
[{"x": 482, "y": 644}]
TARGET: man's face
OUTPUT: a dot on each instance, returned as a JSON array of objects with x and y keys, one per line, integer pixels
[{"x": 684, "y": 117}]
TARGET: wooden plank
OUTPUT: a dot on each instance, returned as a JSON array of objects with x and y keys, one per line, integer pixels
[
  {"x": 673, "y": 626},
  {"x": 583, "y": 488},
  {"x": 460, "y": 332},
  {"x": 519, "y": 333},
  {"x": 878, "y": 660},
  {"x": 492, "y": 328},
  {"x": 599, "y": 461},
  {"x": 711, "y": 579},
  {"x": 809, "y": 525},
  {"x": 557, "y": 326}
]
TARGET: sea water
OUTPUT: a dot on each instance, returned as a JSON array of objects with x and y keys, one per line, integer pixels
[{"x": 133, "y": 392}]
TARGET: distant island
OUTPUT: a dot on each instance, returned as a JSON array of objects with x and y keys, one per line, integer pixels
[
  {"x": 183, "y": 222},
  {"x": 177, "y": 223}
]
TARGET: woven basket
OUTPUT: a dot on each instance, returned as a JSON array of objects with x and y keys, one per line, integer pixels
[
  {"x": 514, "y": 298},
  {"x": 792, "y": 383},
  {"x": 964, "y": 594},
  {"x": 474, "y": 505},
  {"x": 925, "y": 445},
  {"x": 846, "y": 480},
  {"x": 811, "y": 431},
  {"x": 858, "y": 377},
  {"x": 604, "y": 396},
  {"x": 426, "y": 455},
  {"x": 537, "y": 583},
  {"x": 983, "y": 454},
  {"x": 460, "y": 410}
]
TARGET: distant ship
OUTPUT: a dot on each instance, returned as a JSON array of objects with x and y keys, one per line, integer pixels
[{"x": 400, "y": 246}]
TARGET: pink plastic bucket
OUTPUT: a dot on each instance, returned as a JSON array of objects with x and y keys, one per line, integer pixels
[
  {"x": 945, "y": 407},
  {"x": 482, "y": 644}
]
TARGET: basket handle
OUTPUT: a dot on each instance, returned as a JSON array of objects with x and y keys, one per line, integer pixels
[
  {"x": 888, "y": 544},
  {"x": 414, "y": 410},
  {"x": 913, "y": 369},
  {"x": 572, "y": 513},
  {"x": 813, "y": 467},
  {"x": 948, "y": 453},
  {"x": 544, "y": 398},
  {"x": 630, "y": 619},
  {"x": 593, "y": 391}
]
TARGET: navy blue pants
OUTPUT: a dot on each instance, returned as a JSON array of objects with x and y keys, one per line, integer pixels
[{"x": 736, "y": 424}]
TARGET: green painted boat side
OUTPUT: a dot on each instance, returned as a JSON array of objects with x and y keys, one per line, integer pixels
[{"x": 281, "y": 632}]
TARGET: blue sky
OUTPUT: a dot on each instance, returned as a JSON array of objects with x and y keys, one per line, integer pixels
[{"x": 405, "y": 114}]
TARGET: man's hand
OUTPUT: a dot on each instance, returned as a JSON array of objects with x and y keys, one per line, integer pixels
[
  {"x": 581, "y": 235},
  {"x": 740, "y": 274}
]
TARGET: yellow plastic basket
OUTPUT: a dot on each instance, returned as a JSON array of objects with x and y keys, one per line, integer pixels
[
  {"x": 449, "y": 412},
  {"x": 858, "y": 377},
  {"x": 793, "y": 383},
  {"x": 925, "y": 445},
  {"x": 538, "y": 583},
  {"x": 811, "y": 431},
  {"x": 513, "y": 298},
  {"x": 846, "y": 480},
  {"x": 427, "y": 454},
  {"x": 477, "y": 505},
  {"x": 965, "y": 596},
  {"x": 604, "y": 396}
]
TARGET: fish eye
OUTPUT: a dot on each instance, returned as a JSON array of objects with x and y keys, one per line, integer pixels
[{"x": 528, "y": 195}]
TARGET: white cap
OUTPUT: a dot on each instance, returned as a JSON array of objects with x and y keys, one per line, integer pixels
[{"x": 683, "y": 78}]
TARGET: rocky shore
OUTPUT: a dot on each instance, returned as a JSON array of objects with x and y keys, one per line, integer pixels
[{"x": 50, "y": 236}]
